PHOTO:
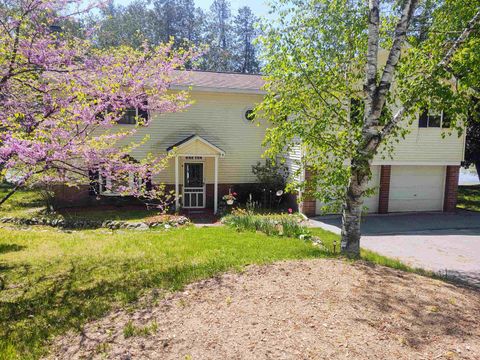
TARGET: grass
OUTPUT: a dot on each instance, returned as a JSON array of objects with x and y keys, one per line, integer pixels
[
  {"x": 131, "y": 330},
  {"x": 332, "y": 242},
  {"x": 55, "y": 281},
  {"x": 25, "y": 203},
  {"x": 29, "y": 203},
  {"x": 469, "y": 197}
]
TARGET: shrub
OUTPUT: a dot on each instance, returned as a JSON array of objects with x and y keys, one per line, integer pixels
[
  {"x": 289, "y": 225},
  {"x": 272, "y": 180},
  {"x": 272, "y": 175}
]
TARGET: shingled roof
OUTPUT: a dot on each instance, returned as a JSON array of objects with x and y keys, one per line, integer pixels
[{"x": 208, "y": 80}]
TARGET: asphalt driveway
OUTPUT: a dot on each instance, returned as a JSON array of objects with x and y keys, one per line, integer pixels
[{"x": 448, "y": 244}]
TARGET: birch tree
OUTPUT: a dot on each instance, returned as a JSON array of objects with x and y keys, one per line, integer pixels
[{"x": 325, "y": 56}]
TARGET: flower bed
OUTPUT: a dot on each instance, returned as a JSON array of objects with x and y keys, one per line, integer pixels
[{"x": 289, "y": 225}]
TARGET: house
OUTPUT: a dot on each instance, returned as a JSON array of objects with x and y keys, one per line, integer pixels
[{"x": 215, "y": 142}]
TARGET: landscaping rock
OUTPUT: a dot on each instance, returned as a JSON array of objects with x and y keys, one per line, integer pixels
[{"x": 173, "y": 221}]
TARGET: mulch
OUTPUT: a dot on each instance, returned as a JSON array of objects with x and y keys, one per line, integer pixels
[{"x": 312, "y": 309}]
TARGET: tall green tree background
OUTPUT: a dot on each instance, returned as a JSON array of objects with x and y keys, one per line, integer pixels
[{"x": 230, "y": 36}]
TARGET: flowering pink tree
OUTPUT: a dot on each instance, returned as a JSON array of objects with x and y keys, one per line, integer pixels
[{"x": 60, "y": 97}]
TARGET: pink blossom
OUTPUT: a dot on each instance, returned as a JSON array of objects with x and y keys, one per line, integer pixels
[{"x": 60, "y": 95}]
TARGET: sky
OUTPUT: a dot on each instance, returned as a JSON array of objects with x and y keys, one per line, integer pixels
[{"x": 259, "y": 7}]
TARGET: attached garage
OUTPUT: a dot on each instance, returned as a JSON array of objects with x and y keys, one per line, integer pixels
[{"x": 416, "y": 188}]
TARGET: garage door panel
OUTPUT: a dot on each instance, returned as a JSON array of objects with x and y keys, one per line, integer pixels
[{"x": 416, "y": 188}]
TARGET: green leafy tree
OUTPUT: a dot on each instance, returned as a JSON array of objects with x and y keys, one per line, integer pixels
[
  {"x": 472, "y": 144},
  {"x": 321, "y": 54}
]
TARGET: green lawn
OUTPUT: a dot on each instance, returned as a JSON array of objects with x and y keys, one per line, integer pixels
[
  {"x": 56, "y": 280},
  {"x": 23, "y": 203},
  {"x": 469, "y": 197},
  {"x": 29, "y": 203}
]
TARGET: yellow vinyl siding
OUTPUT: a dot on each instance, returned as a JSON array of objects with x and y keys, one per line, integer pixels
[
  {"x": 218, "y": 118},
  {"x": 426, "y": 146}
]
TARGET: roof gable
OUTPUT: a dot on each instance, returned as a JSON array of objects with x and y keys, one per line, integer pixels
[{"x": 195, "y": 145}]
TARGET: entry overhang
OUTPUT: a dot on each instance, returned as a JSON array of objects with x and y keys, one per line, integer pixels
[{"x": 195, "y": 145}]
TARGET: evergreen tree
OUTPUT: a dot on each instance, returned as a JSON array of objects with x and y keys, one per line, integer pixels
[
  {"x": 165, "y": 19},
  {"x": 218, "y": 36},
  {"x": 245, "y": 32},
  {"x": 190, "y": 21},
  {"x": 121, "y": 25},
  {"x": 230, "y": 40}
]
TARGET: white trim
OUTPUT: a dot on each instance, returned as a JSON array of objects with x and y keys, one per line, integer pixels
[
  {"x": 199, "y": 138},
  {"x": 203, "y": 188},
  {"x": 215, "y": 187},
  {"x": 443, "y": 186},
  {"x": 209, "y": 155},
  {"x": 177, "y": 191},
  {"x": 185, "y": 191}
]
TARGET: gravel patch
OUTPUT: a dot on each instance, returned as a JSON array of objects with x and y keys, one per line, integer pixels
[{"x": 315, "y": 309}]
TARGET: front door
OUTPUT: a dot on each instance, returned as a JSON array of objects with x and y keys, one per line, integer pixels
[{"x": 194, "y": 188}]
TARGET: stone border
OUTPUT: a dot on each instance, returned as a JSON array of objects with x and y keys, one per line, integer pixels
[{"x": 95, "y": 224}]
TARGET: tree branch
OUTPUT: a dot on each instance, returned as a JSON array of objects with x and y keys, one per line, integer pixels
[
  {"x": 372, "y": 52},
  {"x": 392, "y": 61},
  {"x": 443, "y": 64},
  {"x": 460, "y": 40}
]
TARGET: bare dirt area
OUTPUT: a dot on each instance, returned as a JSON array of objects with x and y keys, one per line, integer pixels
[{"x": 315, "y": 309}]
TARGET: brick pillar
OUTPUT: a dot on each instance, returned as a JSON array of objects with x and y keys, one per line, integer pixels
[
  {"x": 384, "y": 191},
  {"x": 308, "y": 204},
  {"x": 451, "y": 187}
]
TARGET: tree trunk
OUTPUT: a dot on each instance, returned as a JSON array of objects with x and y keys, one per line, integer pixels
[
  {"x": 352, "y": 215},
  {"x": 6, "y": 197}
]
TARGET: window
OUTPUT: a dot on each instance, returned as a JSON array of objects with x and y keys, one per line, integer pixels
[
  {"x": 430, "y": 119},
  {"x": 249, "y": 114},
  {"x": 109, "y": 188},
  {"x": 130, "y": 116}
]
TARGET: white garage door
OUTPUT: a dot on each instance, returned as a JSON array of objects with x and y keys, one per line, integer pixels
[
  {"x": 371, "y": 203},
  {"x": 416, "y": 188}
]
